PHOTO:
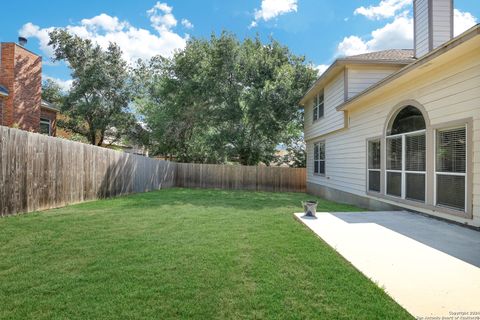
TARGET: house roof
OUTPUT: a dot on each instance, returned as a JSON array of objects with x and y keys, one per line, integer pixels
[
  {"x": 417, "y": 64},
  {"x": 49, "y": 106},
  {"x": 385, "y": 55},
  {"x": 3, "y": 91},
  {"x": 398, "y": 57}
]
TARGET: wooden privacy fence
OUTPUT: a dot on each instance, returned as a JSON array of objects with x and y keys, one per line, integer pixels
[
  {"x": 39, "y": 172},
  {"x": 261, "y": 178}
]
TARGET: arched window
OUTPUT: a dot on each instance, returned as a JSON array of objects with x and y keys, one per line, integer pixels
[
  {"x": 406, "y": 155},
  {"x": 407, "y": 120}
]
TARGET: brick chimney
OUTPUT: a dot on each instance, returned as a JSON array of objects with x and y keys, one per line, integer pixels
[
  {"x": 433, "y": 24},
  {"x": 21, "y": 74}
]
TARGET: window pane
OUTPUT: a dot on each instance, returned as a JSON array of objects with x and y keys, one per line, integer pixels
[
  {"x": 322, "y": 150},
  {"x": 44, "y": 128},
  {"x": 315, "y": 166},
  {"x": 394, "y": 153},
  {"x": 407, "y": 120},
  {"x": 320, "y": 110},
  {"x": 316, "y": 153},
  {"x": 415, "y": 152},
  {"x": 451, "y": 150},
  {"x": 374, "y": 154},
  {"x": 374, "y": 181},
  {"x": 322, "y": 167},
  {"x": 315, "y": 114},
  {"x": 415, "y": 186},
  {"x": 394, "y": 184},
  {"x": 451, "y": 191}
]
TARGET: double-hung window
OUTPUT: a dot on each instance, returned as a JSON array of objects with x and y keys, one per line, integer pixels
[
  {"x": 319, "y": 158},
  {"x": 373, "y": 169},
  {"x": 450, "y": 168},
  {"x": 318, "y": 108}
]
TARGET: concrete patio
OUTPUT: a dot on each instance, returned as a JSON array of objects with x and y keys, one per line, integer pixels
[{"x": 430, "y": 267}]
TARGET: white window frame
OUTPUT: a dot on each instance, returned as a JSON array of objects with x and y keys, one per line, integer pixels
[
  {"x": 379, "y": 170},
  {"x": 319, "y": 160},
  {"x": 403, "y": 171},
  {"x": 49, "y": 122},
  {"x": 464, "y": 174},
  {"x": 318, "y": 101}
]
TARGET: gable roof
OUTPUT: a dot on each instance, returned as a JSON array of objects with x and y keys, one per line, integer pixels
[
  {"x": 385, "y": 55},
  {"x": 399, "y": 57},
  {"x": 468, "y": 35},
  {"x": 3, "y": 91}
]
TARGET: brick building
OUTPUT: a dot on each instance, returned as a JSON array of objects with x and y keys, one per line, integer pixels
[{"x": 21, "y": 102}]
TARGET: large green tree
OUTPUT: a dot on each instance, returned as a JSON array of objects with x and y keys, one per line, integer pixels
[
  {"x": 223, "y": 99},
  {"x": 98, "y": 101},
  {"x": 52, "y": 92}
]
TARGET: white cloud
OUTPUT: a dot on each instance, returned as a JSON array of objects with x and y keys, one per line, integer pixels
[
  {"x": 273, "y": 8},
  {"x": 462, "y": 21},
  {"x": 161, "y": 17},
  {"x": 187, "y": 24},
  {"x": 321, "y": 68},
  {"x": 397, "y": 34},
  {"x": 136, "y": 43},
  {"x": 385, "y": 9},
  {"x": 64, "y": 84}
]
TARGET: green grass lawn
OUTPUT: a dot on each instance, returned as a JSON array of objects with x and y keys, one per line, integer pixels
[{"x": 180, "y": 254}]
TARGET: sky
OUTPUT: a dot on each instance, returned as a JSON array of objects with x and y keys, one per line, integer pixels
[{"x": 320, "y": 30}]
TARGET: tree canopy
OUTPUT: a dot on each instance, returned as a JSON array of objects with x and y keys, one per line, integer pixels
[
  {"x": 222, "y": 99},
  {"x": 101, "y": 92}
]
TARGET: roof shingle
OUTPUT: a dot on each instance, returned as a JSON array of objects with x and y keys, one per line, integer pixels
[{"x": 391, "y": 55}]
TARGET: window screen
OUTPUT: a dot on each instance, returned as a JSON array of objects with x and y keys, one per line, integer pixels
[
  {"x": 320, "y": 106},
  {"x": 394, "y": 184},
  {"x": 415, "y": 152},
  {"x": 394, "y": 153},
  {"x": 451, "y": 191},
  {"x": 319, "y": 158},
  {"x": 374, "y": 165},
  {"x": 451, "y": 164},
  {"x": 415, "y": 183},
  {"x": 374, "y": 180},
  {"x": 318, "y": 109},
  {"x": 374, "y": 154},
  {"x": 451, "y": 150}
]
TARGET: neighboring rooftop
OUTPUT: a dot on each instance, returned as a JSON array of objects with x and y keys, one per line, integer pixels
[
  {"x": 50, "y": 106},
  {"x": 388, "y": 55}
]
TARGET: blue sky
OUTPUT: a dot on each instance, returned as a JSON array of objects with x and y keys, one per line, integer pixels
[{"x": 320, "y": 30}]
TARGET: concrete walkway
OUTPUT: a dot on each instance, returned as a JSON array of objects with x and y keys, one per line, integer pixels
[{"x": 430, "y": 267}]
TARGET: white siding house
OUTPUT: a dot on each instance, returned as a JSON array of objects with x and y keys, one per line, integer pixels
[{"x": 400, "y": 131}]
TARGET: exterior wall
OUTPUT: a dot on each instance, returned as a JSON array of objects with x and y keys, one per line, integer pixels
[
  {"x": 448, "y": 92},
  {"x": 21, "y": 74},
  {"x": 334, "y": 94},
  {"x": 360, "y": 78},
  {"x": 52, "y": 116}
]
